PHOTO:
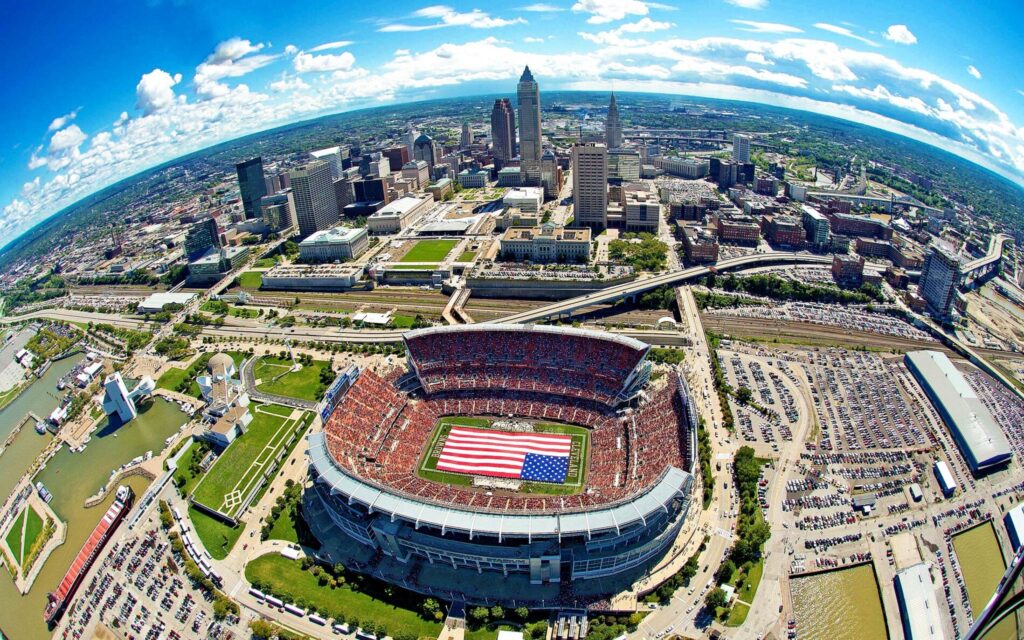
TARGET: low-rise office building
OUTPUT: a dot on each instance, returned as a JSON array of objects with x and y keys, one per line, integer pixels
[
  {"x": 547, "y": 243},
  {"x": 642, "y": 211},
  {"x": 312, "y": 277},
  {"x": 399, "y": 214},
  {"x": 215, "y": 264},
  {"x": 336, "y": 243},
  {"x": 473, "y": 178},
  {"x": 526, "y": 199},
  {"x": 699, "y": 244}
]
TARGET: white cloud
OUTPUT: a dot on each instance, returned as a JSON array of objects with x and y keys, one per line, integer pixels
[
  {"x": 900, "y": 34},
  {"x": 532, "y": 40},
  {"x": 66, "y": 139},
  {"x": 231, "y": 58},
  {"x": 290, "y": 50},
  {"x": 288, "y": 85},
  {"x": 971, "y": 69},
  {"x": 754, "y": 26},
  {"x": 337, "y": 44},
  {"x": 60, "y": 121},
  {"x": 603, "y": 11},
  {"x": 155, "y": 91},
  {"x": 643, "y": 25},
  {"x": 615, "y": 36},
  {"x": 757, "y": 58},
  {"x": 843, "y": 31},
  {"x": 449, "y": 17},
  {"x": 306, "y": 62},
  {"x": 749, "y": 4},
  {"x": 541, "y": 7}
]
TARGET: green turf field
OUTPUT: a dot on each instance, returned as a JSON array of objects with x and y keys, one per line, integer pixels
[
  {"x": 237, "y": 476},
  {"x": 429, "y": 251},
  {"x": 250, "y": 280},
  {"x": 29, "y": 522},
  {"x": 303, "y": 384},
  {"x": 578, "y": 456}
]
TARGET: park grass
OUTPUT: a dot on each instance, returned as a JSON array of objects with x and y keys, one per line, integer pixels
[
  {"x": 286, "y": 577},
  {"x": 467, "y": 256},
  {"x": 33, "y": 527},
  {"x": 412, "y": 267},
  {"x": 402, "y": 322},
  {"x": 429, "y": 251},
  {"x": 171, "y": 378},
  {"x": 490, "y": 631},
  {"x": 737, "y": 615},
  {"x": 250, "y": 280},
  {"x": 218, "y": 537},
  {"x": 211, "y": 306},
  {"x": 266, "y": 263},
  {"x": 303, "y": 384},
  {"x": 236, "y": 468}
]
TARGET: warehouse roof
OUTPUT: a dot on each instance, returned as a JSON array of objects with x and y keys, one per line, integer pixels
[
  {"x": 919, "y": 608},
  {"x": 981, "y": 440}
]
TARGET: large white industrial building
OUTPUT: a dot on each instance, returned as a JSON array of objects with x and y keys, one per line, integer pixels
[{"x": 976, "y": 432}]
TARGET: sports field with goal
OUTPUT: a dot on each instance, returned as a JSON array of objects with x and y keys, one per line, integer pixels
[
  {"x": 575, "y": 472},
  {"x": 240, "y": 473}
]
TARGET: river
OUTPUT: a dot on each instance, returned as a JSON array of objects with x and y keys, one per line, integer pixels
[
  {"x": 72, "y": 478},
  {"x": 981, "y": 563},
  {"x": 843, "y": 604},
  {"x": 41, "y": 398}
]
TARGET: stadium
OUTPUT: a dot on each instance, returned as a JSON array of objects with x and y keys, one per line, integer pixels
[{"x": 544, "y": 455}]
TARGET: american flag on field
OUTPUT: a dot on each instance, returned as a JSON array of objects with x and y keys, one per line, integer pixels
[{"x": 543, "y": 457}]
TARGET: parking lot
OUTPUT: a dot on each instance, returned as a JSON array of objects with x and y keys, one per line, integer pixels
[{"x": 141, "y": 590}]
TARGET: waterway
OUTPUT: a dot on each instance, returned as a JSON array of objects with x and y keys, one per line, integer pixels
[
  {"x": 41, "y": 398},
  {"x": 839, "y": 605},
  {"x": 981, "y": 563},
  {"x": 72, "y": 478}
]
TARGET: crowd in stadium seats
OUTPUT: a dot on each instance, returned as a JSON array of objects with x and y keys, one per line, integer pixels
[
  {"x": 378, "y": 434},
  {"x": 550, "y": 362}
]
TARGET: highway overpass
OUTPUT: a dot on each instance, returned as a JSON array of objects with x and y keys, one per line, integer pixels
[
  {"x": 980, "y": 270},
  {"x": 565, "y": 308}
]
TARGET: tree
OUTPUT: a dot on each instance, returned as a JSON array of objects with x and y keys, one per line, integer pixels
[
  {"x": 725, "y": 571},
  {"x": 715, "y": 600},
  {"x": 497, "y": 612},
  {"x": 522, "y": 613},
  {"x": 430, "y": 607},
  {"x": 478, "y": 614},
  {"x": 744, "y": 394}
]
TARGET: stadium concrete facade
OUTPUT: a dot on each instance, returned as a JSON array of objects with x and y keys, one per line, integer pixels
[{"x": 366, "y": 466}]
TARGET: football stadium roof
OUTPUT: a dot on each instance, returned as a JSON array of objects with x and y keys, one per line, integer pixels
[{"x": 673, "y": 483}]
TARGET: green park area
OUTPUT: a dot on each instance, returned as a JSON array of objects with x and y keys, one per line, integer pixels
[
  {"x": 429, "y": 251},
  {"x": 350, "y": 599},
  {"x": 250, "y": 280},
  {"x": 240, "y": 474},
  {"x": 274, "y": 376},
  {"x": 23, "y": 533},
  {"x": 217, "y": 536},
  {"x": 466, "y": 256}
]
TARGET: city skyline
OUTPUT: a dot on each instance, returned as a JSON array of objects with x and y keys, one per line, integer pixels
[{"x": 232, "y": 77}]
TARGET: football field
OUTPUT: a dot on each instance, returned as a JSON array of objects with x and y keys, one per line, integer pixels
[
  {"x": 575, "y": 476},
  {"x": 240, "y": 473}
]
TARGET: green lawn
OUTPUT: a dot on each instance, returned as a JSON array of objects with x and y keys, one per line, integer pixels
[
  {"x": 737, "y": 615},
  {"x": 284, "y": 529},
  {"x": 412, "y": 267},
  {"x": 466, "y": 256},
  {"x": 577, "y": 460},
  {"x": 429, "y": 251},
  {"x": 250, "y": 280},
  {"x": 303, "y": 384},
  {"x": 219, "y": 308},
  {"x": 287, "y": 578},
  {"x": 402, "y": 322},
  {"x": 266, "y": 263},
  {"x": 490, "y": 631},
  {"x": 218, "y": 538},
  {"x": 238, "y": 471},
  {"x": 33, "y": 528}
]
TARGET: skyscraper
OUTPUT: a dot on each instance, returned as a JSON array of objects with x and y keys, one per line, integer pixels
[
  {"x": 467, "y": 136},
  {"x": 613, "y": 126},
  {"x": 202, "y": 236},
  {"x": 940, "y": 276},
  {"x": 316, "y": 208},
  {"x": 424, "y": 150},
  {"x": 590, "y": 185},
  {"x": 333, "y": 157},
  {"x": 528, "y": 94},
  {"x": 251, "y": 185},
  {"x": 398, "y": 156},
  {"x": 503, "y": 132},
  {"x": 741, "y": 148}
]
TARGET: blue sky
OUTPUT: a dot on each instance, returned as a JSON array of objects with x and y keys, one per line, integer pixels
[{"x": 97, "y": 91}]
